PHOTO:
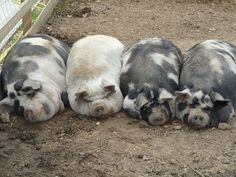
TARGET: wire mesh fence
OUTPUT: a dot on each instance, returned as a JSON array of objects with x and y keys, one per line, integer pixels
[
  {"x": 20, "y": 17},
  {"x": 8, "y": 8}
]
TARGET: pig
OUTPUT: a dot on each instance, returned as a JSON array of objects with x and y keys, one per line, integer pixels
[
  {"x": 92, "y": 77},
  {"x": 33, "y": 78},
  {"x": 149, "y": 79},
  {"x": 207, "y": 93}
]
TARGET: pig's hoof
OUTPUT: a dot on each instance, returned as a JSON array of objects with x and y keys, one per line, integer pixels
[
  {"x": 5, "y": 118},
  {"x": 224, "y": 126}
]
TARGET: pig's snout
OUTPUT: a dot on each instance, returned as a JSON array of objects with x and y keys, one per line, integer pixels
[
  {"x": 198, "y": 121},
  {"x": 29, "y": 115},
  {"x": 157, "y": 117},
  {"x": 36, "y": 114},
  {"x": 101, "y": 110}
]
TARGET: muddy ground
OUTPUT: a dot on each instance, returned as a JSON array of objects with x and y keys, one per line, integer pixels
[{"x": 71, "y": 145}]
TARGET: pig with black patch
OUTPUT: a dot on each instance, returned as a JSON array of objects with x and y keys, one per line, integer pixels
[
  {"x": 149, "y": 79},
  {"x": 33, "y": 78},
  {"x": 207, "y": 93},
  {"x": 92, "y": 77}
]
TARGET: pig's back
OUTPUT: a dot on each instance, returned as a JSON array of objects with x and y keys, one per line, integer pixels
[
  {"x": 94, "y": 56},
  {"x": 154, "y": 62},
  {"x": 38, "y": 57},
  {"x": 211, "y": 65}
]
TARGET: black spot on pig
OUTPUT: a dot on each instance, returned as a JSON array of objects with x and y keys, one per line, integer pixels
[
  {"x": 144, "y": 50},
  {"x": 24, "y": 49},
  {"x": 16, "y": 104},
  {"x": 18, "y": 85},
  {"x": 13, "y": 71},
  {"x": 43, "y": 36},
  {"x": 12, "y": 95},
  {"x": 64, "y": 97},
  {"x": 185, "y": 118},
  {"x": 59, "y": 62},
  {"x": 29, "y": 66},
  {"x": 46, "y": 108},
  {"x": 63, "y": 52},
  {"x": 8, "y": 70},
  {"x": 132, "y": 94},
  {"x": 181, "y": 106},
  {"x": 173, "y": 84},
  {"x": 146, "y": 111},
  {"x": 26, "y": 89},
  {"x": 169, "y": 67},
  {"x": 173, "y": 49},
  {"x": 163, "y": 47},
  {"x": 154, "y": 75}
]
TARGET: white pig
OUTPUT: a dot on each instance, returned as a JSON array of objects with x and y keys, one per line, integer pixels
[{"x": 92, "y": 77}]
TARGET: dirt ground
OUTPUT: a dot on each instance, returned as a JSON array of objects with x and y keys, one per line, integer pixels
[{"x": 70, "y": 145}]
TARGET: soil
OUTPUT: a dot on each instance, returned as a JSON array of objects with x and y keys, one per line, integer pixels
[{"x": 71, "y": 145}]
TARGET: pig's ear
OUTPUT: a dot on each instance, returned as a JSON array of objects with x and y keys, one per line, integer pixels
[
  {"x": 141, "y": 101},
  {"x": 81, "y": 94},
  {"x": 183, "y": 95},
  {"x": 221, "y": 103},
  {"x": 108, "y": 87},
  {"x": 31, "y": 86},
  {"x": 165, "y": 95},
  {"x": 169, "y": 98},
  {"x": 216, "y": 96},
  {"x": 218, "y": 100}
]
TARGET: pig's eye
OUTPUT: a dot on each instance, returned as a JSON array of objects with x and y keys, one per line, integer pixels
[
  {"x": 31, "y": 95},
  {"x": 194, "y": 103},
  {"x": 87, "y": 100},
  {"x": 12, "y": 95},
  {"x": 207, "y": 100},
  {"x": 206, "y": 109},
  {"x": 144, "y": 108},
  {"x": 132, "y": 94}
]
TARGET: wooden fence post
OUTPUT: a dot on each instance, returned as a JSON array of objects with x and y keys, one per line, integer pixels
[
  {"x": 24, "y": 7},
  {"x": 43, "y": 16},
  {"x": 26, "y": 20}
]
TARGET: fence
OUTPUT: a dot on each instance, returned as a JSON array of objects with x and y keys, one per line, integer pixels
[{"x": 26, "y": 15}]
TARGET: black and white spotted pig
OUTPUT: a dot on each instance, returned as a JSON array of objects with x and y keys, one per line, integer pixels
[
  {"x": 207, "y": 84},
  {"x": 149, "y": 79},
  {"x": 33, "y": 78}
]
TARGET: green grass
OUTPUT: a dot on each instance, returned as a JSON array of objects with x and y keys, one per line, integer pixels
[
  {"x": 36, "y": 12},
  {"x": 11, "y": 43}
]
